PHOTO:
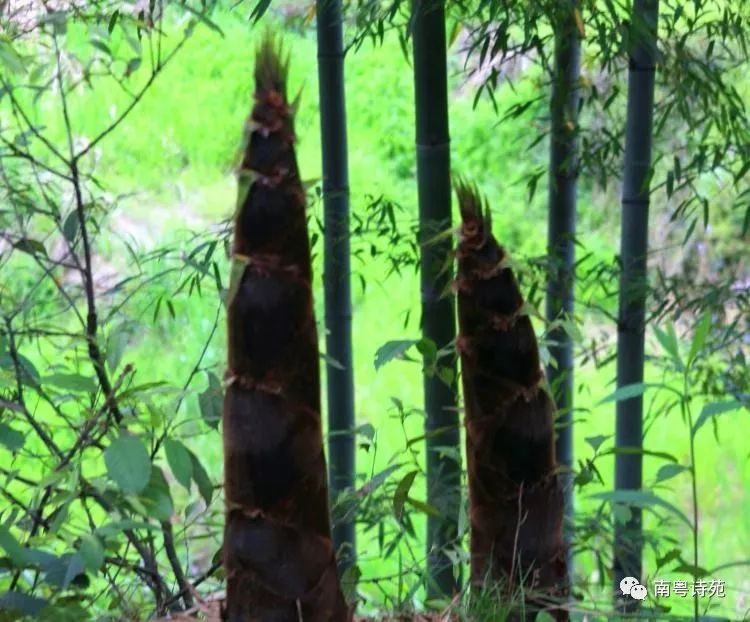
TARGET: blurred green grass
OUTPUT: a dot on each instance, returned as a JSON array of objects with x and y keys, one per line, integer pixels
[{"x": 177, "y": 150}]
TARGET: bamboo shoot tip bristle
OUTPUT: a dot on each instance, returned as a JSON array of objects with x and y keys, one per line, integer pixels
[
  {"x": 473, "y": 207},
  {"x": 271, "y": 64}
]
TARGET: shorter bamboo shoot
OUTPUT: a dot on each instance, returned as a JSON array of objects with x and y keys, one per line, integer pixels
[{"x": 516, "y": 501}]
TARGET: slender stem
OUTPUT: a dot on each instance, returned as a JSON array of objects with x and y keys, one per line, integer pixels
[
  {"x": 174, "y": 560},
  {"x": 693, "y": 482}
]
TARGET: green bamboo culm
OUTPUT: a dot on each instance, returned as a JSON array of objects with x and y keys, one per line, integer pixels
[
  {"x": 336, "y": 268},
  {"x": 438, "y": 314},
  {"x": 279, "y": 558},
  {"x": 561, "y": 220},
  {"x": 628, "y": 545}
]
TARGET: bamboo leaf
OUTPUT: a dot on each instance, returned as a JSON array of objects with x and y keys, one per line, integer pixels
[
  {"x": 715, "y": 409},
  {"x": 392, "y": 350},
  {"x": 668, "y": 471},
  {"x": 643, "y": 499},
  {"x": 626, "y": 392},
  {"x": 639, "y": 451},
  {"x": 259, "y": 10},
  {"x": 402, "y": 491},
  {"x": 422, "y": 506},
  {"x": 203, "y": 18},
  {"x": 11, "y": 438},
  {"x": 699, "y": 338},
  {"x": 668, "y": 341},
  {"x": 378, "y": 480}
]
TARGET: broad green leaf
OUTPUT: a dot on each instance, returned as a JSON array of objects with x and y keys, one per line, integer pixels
[
  {"x": 596, "y": 441},
  {"x": 64, "y": 610},
  {"x": 156, "y": 498},
  {"x": 642, "y": 499},
  {"x": 201, "y": 478},
  {"x": 70, "y": 226},
  {"x": 29, "y": 374},
  {"x": 39, "y": 558},
  {"x": 428, "y": 349},
  {"x": 392, "y": 350},
  {"x": 21, "y": 603},
  {"x": 71, "y": 382},
  {"x": 446, "y": 374},
  {"x": 668, "y": 471},
  {"x": 16, "y": 552},
  {"x": 128, "y": 464},
  {"x": 64, "y": 570},
  {"x": 211, "y": 401},
  {"x": 11, "y": 438},
  {"x": 178, "y": 458},
  {"x": 715, "y": 409},
  {"x": 699, "y": 338},
  {"x": 92, "y": 552},
  {"x": 402, "y": 491}
]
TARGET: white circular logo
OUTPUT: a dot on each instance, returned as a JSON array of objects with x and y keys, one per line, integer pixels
[
  {"x": 627, "y": 584},
  {"x": 638, "y": 592}
]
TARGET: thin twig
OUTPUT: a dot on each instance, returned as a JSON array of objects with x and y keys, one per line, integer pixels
[{"x": 185, "y": 593}]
